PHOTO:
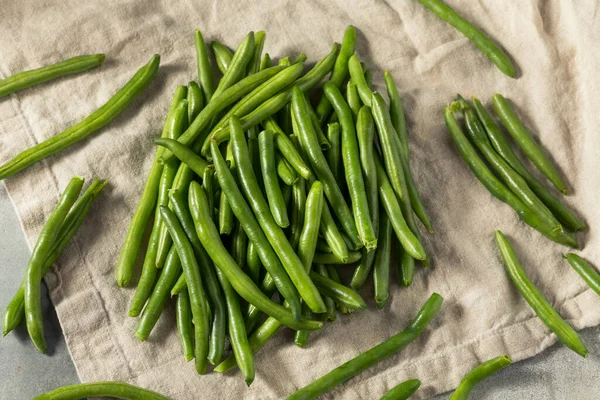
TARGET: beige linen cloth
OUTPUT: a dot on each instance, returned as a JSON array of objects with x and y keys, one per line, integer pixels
[{"x": 554, "y": 44}]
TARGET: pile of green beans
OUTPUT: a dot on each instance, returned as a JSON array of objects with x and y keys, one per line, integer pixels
[
  {"x": 256, "y": 193},
  {"x": 62, "y": 224}
]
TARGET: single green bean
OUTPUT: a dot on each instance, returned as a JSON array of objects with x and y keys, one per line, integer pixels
[
  {"x": 334, "y": 275},
  {"x": 381, "y": 270},
  {"x": 184, "y": 154},
  {"x": 329, "y": 302},
  {"x": 33, "y": 276},
  {"x": 301, "y": 337},
  {"x": 223, "y": 55},
  {"x": 478, "y": 374},
  {"x": 406, "y": 268},
  {"x": 285, "y": 171},
  {"x": 259, "y": 44},
  {"x": 334, "y": 154},
  {"x": 585, "y": 270},
  {"x": 368, "y": 77},
  {"x": 297, "y": 213},
  {"x": 312, "y": 221},
  {"x": 265, "y": 62},
  {"x": 253, "y": 262},
  {"x": 118, "y": 390},
  {"x": 373, "y": 356},
  {"x": 358, "y": 78},
  {"x": 225, "y": 215},
  {"x": 241, "y": 283},
  {"x": 239, "y": 246},
  {"x": 325, "y": 145},
  {"x": 338, "y": 292},
  {"x": 502, "y": 147},
  {"x": 208, "y": 184},
  {"x": 87, "y": 126},
  {"x": 353, "y": 98},
  {"x": 183, "y": 313},
  {"x": 277, "y": 204},
  {"x": 331, "y": 258},
  {"x": 273, "y": 232},
  {"x": 204, "y": 71},
  {"x": 536, "y": 299},
  {"x": 287, "y": 149},
  {"x": 195, "y": 100},
  {"x": 237, "y": 66},
  {"x": 285, "y": 61},
  {"x": 402, "y": 391},
  {"x": 23, "y": 80},
  {"x": 526, "y": 142},
  {"x": 333, "y": 236}
]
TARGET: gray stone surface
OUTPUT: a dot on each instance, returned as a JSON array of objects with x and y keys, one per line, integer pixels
[{"x": 557, "y": 373}]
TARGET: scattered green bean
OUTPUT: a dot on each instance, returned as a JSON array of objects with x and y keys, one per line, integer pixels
[
  {"x": 117, "y": 390},
  {"x": 195, "y": 100},
  {"x": 402, "y": 391},
  {"x": 585, "y": 270},
  {"x": 478, "y": 374},
  {"x": 204, "y": 71}
]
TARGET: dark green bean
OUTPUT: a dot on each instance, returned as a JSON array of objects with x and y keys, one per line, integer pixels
[
  {"x": 277, "y": 204},
  {"x": 23, "y": 80},
  {"x": 225, "y": 215},
  {"x": 184, "y": 324},
  {"x": 204, "y": 71},
  {"x": 325, "y": 145},
  {"x": 526, "y": 142},
  {"x": 208, "y": 184},
  {"x": 402, "y": 391},
  {"x": 502, "y": 147},
  {"x": 496, "y": 188},
  {"x": 297, "y": 212},
  {"x": 331, "y": 258},
  {"x": 241, "y": 283},
  {"x": 585, "y": 270},
  {"x": 338, "y": 292},
  {"x": 310, "y": 229},
  {"x": 358, "y": 78},
  {"x": 334, "y": 154},
  {"x": 332, "y": 235},
  {"x": 237, "y": 66},
  {"x": 285, "y": 171},
  {"x": 329, "y": 302},
  {"x": 406, "y": 267},
  {"x": 195, "y": 100},
  {"x": 381, "y": 270},
  {"x": 239, "y": 246},
  {"x": 223, "y": 55},
  {"x": 117, "y": 390},
  {"x": 33, "y": 276},
  {"x": 373, "y": 356},
  {"x": 368, "y": 77},
  {"x": 480, "y": 39},
  {"x": 334, "y": 275},
  {"x": 253, "y": 262},
  {"x": 478, "y": 374},
  {"x": 87, "y": 126},
  {"x": 184, "y": 154},
  {"x": 536, "y": 299}
]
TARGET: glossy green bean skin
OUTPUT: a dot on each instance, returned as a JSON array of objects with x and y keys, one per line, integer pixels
[
  {"x": 237, "y": 66},
  {"x": 312, "y": 221},
  {"x": 33, "y": 276},
  {"x": 478, "y": 374},
  {"x": 223, "y": 55},
  {"x": 366, "y": 136},
  {"x": 496, "y": 188},
  {"x": 402, "y": 391},
  {"x": 334, "y": 154},
  {"x": 334, "y": 275},
  {"x": 526, "y": 142},
  {"x": 330, "y": 258},
  {"x": 265, "y": 62},
  {"x": 358, "y": 78},
  {"x": 585, "y": 270},
  {"x": 480, "y": 39},
  {"x": 198, "y": 300},
  {"x": 353, "y": 98},
  {"x": 93, "y": 122},
  {"x": 287, "y": 149},
  {"x": 333, "y": 236},
  {"x": 381, "y": 269},
  {"x": 297, "y": 212},
  {"x": 253, "y": 263},
  {"x": 241, "y": 283},
  {"x": 23, "y": 80},
  {"x": 15, "y": 310},
  {"x": 285, "y": 171},
  {"x": 239, "y": 246},
  {"x": 184, "y": 154},
  {"x": 339, "y": 73},
  {"x": 268, "y": 167},
  {"x": 320, "y": 167},
  {"x": 118, "y": 390},
  {"x": 301, "y": 337},
  {"x": 208, "y": 184},
  {"x": 325, "y": 145},
  {"x": 338, "y": 292},
  {"x": 226, "y": 219},
  {"x": 259, "y": 45},
  {"x": 195, "y": 100},
  {"x": 204, "y": 71},
  {"x": 352, "y": 167},
  {"x": 183, "y": 313},
  {"x": 536, "y": 299},
  {"x": 273, "y": 232},
  {"x": 244, "y": 214},
  {"x": 399, "y": 122},
  {"x": 373, "y": 356},
  {"x": 502, "y": 147}
]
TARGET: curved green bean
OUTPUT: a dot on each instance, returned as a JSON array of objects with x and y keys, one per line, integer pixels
[
  {"x": 338, "y": 292},
  {"x": 285, "y": 171},
  {"x": 184, "y": 154},
  {"x": 307, "y": 243},
  {"x": 536, "y": 299},
  {"x": 358, "y": 78},
  {"x": 183, "y": 313},
  {"x": 25, "y": 79},
  {"x": 333, "y": 236},
  {"x": 402, "y": 391},
  {"x": 331, "y": 258},
  {"x": 373, "y": 356},
  {"x": 381, "y": 270},
  {"x": 118, "y": 390},
  {"x": 585, "y": 270},
  {"x": 204, "y": 71},
  {"x": 478, "y": 374},
  {"x": 223, "y": 55},
  {"x": 89, "y": 125},
  {"x": 237, "y": 67},
  {"x": 480, "y": 39},
  {"x": 277, "y": 204}
]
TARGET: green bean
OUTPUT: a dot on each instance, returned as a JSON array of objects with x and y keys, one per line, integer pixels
[
  {"x": 204, "y": 71},
  {"x": 273, "y": 232},
  {"x": 87, "y": 126},
  {"x": 407, "y": 238},
  {"x": 381, "y": 270},
  {"x": 237, "y": 66},
  {"x": 300, "y": 58},
  {"x": 502, "y": 147},
  {"x": 184, "y": 324},
  {"x": 117, "y": 390},
  {"x": 338, "y": 292},
  {"x": 331, "y": 258},
  {"x": 319, "y": 163},
  {"x": 585, "y": 270},
  {"x": 329, "y": 302},
  {"x": 301, "y": 337},
  {"x": 478, "y": 374},
  {"x": 325, "y": 145},
  {"x": 277, "y": 205},
  {"x": 399, "y": 123},
  {"x": 223, "y": 55},
  {"x": 358, "y": 78},
  {"x": 285, "y": 61},
  {"x": 33, "y": 276},
  {"x": 253, "y": 262},
  {"x": 225, "y": 215},
  {"x": 334, "y": 154},
  {"x": 368, "y": 77},
  {"x": 312, "y": 221},
  {"x": 259, "y": 44},
  {"x": 15, "y": 310},
  {"x": 255, "y": 233},
  {"x": 526, "y": 142},
  {"x": 536, "y": 299},
  {"x": 496, "y": 188},
  {"x": 200, "y": 308},
  {"x": 160, "y": 295},
  {"x": 23, "y": 80},
  {"x": 184, "y": 154},
  {"x": 297, "y": 213},
  {"x": 265, "y": 62},
  {"x": 208, "y": 184},
  {"x": 216, "y": 345},
  {"x": 287, "y": 149},
  {"x": 339, "y": 73},
  {"x": 194, "y": 99},
  {"x": 239, "y": 246},
  {"x": 241, "y": 283},
  {"x": 366, "y": 136},
  {"x": 237, "y": 330},
  {"x": 353, "y": 99},
  {"x": 332, "y": 235},
  {"x": 335, "y": 276},
  {"x": 322, "y": 246},
  {"x": 373, "y": 356},
  {"x": 285, "y": 171},
  {"x": 511, "y": 178},
  {"x": 402, "y": 391}
]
